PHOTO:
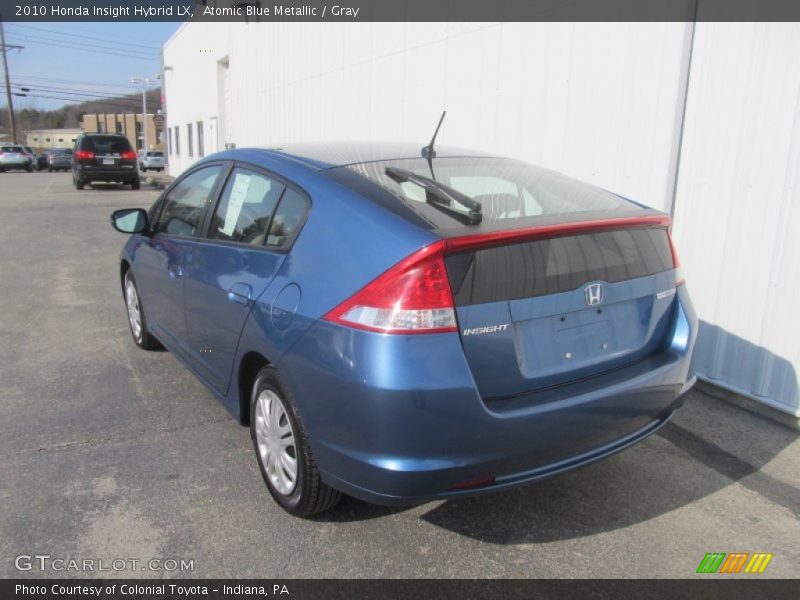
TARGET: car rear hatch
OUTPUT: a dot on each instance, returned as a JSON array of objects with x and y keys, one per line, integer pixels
[
  {"x": 552, "y": 305},
  {"x": 106, "y": 152},
  {"x": 554, "y": 281}
]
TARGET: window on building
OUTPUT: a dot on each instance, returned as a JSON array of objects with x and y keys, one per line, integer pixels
[
  {"x": 120, "y": 127},
  {"x": 189, "y": 149},
  {"x": 139, "y": 138},
  {"x": 73, "y": 139},
  {"x": 35, "y": 139},
  {"x": 101, "y": 127},
  {"x": 177, "y": 140},
  {"x": 169, "y": 140},
  {"x": 200, "y": 149},
  {"x": 46, "y": 139},
  {"x": 60, "y": 139}
]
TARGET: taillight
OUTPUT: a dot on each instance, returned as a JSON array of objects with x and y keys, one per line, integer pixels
[
  {"x": 84, "y": 154},
  {"x": 676, "y": 263},
  {"x": 128, "y": 155},
  {"x": 411, "y": 297}
]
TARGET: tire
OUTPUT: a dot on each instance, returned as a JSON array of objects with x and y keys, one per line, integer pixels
[
  {"x": 29, "y": 168},
  {"x": 135, "y": 184},
  {"x": 302, "y": 493},
  {"x": 136, "y": 319},
  {"x": 79, "y": 183},
  {"x": 49, "y": 169}
]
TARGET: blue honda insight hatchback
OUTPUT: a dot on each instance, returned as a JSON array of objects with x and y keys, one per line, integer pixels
[{"x": 402, "y": 327}]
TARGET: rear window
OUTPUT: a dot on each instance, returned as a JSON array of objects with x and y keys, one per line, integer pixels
[
  {"x": 551, "y": 266},
  {"x": 509, "y": 191},
  {"x": 158, "y": 154},
  {"x": 106, "y": 144}
]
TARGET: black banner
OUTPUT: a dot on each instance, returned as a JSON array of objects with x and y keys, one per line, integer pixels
[
  {"x": 399, "y": 10},
  {"x": 715, "y": 587}
]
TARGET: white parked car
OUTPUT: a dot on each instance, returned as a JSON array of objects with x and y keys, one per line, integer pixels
[
  {"x": 152, "y": 159},
  {"x": 15, "y": 157}
]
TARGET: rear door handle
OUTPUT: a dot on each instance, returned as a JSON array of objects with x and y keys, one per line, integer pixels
[
  {"x": 175, "y": 272},
  {"x": 241, "y": 293}
]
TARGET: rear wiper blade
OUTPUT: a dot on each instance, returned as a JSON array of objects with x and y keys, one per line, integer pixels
[{"x": 441, "y": 196}]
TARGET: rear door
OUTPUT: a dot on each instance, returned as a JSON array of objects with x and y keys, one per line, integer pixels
[
  {"x": 543, "y": 312},
  {"x": 248, "y": 237},
  {"x": 160, "y": 262}
]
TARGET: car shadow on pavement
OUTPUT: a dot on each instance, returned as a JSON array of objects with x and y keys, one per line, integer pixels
[{"x": 709, "y": 444}]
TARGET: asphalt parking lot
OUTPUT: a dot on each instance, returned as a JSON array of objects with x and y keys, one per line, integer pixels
[{"x": 109, "y": 452}]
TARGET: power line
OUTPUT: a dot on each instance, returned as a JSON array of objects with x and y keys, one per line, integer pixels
[
  {"x": 86, "y": 48},
  {"x": 153, "y": 46},
  {"x": 131, "y": 105},
  {"x": 67, "y": 90},
  {"x": 69, "y": 81}
]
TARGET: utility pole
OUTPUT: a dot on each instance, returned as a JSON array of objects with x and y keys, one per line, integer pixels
[
  {"x": 5, "y": 48},
  {"x": 145, "y": 81}
]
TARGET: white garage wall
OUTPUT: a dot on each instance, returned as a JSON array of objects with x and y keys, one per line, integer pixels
[
  {"x": 596, "y": 101},
  {"x": 737, "y": 209}
]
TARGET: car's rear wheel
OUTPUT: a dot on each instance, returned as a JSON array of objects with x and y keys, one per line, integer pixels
[
  {"x": 282, "y": 450},
  {"x": 79, "y": 183},
  {"x": 135, "y": 184},
  {"x": 136, "y": 318}
]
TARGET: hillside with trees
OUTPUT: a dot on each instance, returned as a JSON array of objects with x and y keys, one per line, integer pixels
[{"x": 70, "y": 115}]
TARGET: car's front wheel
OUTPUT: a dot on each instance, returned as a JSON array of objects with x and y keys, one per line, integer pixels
[
  {"x": 136, "y": 318},
  {"x": 282, "y": 450}
]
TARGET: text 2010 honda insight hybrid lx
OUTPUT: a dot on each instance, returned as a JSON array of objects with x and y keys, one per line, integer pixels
[{"x": 401, "y": 327}]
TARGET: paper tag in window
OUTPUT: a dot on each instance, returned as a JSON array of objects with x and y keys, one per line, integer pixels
[{"x": 241, "y": 184}]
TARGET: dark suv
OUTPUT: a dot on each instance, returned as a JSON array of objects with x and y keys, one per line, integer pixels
[{"x": 106, "y": 157}]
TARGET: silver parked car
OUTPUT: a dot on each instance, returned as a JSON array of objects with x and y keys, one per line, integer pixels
[
  {"x": 152, "y": 159},
  {"x": 15, "y": 157},
  {"x": 59, "y": 159}
]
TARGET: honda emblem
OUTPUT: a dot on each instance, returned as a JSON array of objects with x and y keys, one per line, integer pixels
[{"x": 594, "y": 294}]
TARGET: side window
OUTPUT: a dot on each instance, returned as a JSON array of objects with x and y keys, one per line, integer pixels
[
  {"x": 245, "y": 208},
  {"x": 288, "y": 218},
  {"x": 186, "y": 203}
]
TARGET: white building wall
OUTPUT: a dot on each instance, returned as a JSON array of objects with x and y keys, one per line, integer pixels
[
  {"x": 738, "y": 206},
  {"x": 602, "y": 102},
  {"x": 596, "y": 101}
]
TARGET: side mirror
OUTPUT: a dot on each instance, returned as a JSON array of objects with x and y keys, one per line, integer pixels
[{"x": 130, "y": 220}]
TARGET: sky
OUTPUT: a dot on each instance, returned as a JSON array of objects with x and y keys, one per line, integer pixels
[{"x": 66, "y": 63}]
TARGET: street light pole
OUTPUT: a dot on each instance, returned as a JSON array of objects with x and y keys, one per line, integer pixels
[{"x": 145, "y": 81}]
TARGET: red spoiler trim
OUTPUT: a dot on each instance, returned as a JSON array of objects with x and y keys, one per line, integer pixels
[{"x": 496, "y": 238}]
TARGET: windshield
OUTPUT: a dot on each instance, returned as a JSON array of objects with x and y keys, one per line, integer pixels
[{"x": 507, "y": 190}]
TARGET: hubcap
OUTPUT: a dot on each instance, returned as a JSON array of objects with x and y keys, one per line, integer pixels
[
  {"x": 134, "y": 311},
  {"x": 275, "y": 440}
]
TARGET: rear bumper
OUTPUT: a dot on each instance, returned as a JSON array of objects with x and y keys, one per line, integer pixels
[
  {"x": 398, "y": 419},
  {"x": 21, "y": 163},
  {"x": 107, "y": 174}
]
